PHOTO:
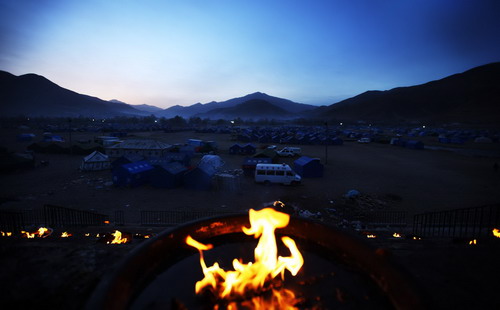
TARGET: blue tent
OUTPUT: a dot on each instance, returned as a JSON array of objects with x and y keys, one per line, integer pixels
[
  {"x": 126, "y": 159},
  {"x": 250, "y": 163},
  {"x": 248, "y": 149},
  {"x": 26, "y": 137},
  {"x": 182, "y": 158},
  {"x": 235, "y": 149},
  {"x": 168, "y": 175},
  {"x": 308, "y": 167},
  {"x": 133, "y": 174},
  {"x": 198, "y": 179}
]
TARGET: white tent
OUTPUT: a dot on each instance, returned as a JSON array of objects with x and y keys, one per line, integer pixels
[{"x": 95, "y": 161}]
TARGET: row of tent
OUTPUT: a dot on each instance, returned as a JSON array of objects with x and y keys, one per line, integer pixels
[{"x": 168, "y": 175}]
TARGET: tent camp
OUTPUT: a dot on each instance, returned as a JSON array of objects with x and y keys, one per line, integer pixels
[
  {"x": 308, "y": 167},
  {"x": 200, "y": 178},
  {"x": 133, "y": 174},
  {"x": 95, "y": 161},
  {"x": 126, "y": 159},
  {"x": 168, "y": 175}
]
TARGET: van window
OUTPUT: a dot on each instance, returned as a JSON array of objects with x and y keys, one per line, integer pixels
[
  {"x": 270, "y": 172},
  {"x": 289, "y": 173},
  {"x": 261, "y": 172},
  {"x": 280, "y": 172}
]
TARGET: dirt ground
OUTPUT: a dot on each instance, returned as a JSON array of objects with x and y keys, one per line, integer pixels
[
  {"x": 62, "y": 274},
  {"x": 421, "y": 180}
]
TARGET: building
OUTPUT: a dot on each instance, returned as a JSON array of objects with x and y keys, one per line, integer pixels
[
  {"x": 145, "y": 148},
  {"x": 95, "y": 161}
]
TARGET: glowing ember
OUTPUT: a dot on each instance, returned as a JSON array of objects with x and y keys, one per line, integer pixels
[
  {"x": 496, "y": 232},
  {"x": 416, "y": 238},
  {"x": 27, "y": 234},
  {"x": 106, "y": 222},
  {"x": 66, "y": 235},
  {"x": 6, "y": 233},
  {"x": 473, "y": 242},
  {"x": 251, "y": 277},
  {"x": 371, "y": 236},
  {"x": 396, "y": 235},
  {"x": 118, "y": 238},
  {"x": 87, "y": 235},
  {"x": 43, "y": 232}
]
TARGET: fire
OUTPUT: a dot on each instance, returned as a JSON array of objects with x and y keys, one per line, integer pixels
[
  {"x": 496, "y": 232},
  {"x": 6, "y": 233},
  {"x": 371, "y": 236},
  {"x": 396, "y": 235},
  {"x": 118, "y": 238},
  {"x": 66, "y": 235},
  {"x": 251, "y": 277},
  {"x": 42, "y": 232},
  {"x": 473, "y": 242}
]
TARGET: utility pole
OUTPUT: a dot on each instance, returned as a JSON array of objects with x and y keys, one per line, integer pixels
[{"x": 326, "y": 143}]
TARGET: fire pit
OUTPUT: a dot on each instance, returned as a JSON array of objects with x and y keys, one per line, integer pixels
[{"x": 340, "y": 271}]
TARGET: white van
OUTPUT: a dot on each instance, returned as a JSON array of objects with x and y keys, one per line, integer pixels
[
  {"x": 289, "y": 151},
  {"x": 276, "y": 173}
]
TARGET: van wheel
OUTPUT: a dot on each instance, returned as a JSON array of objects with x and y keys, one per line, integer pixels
[
  {"x": 267, "y": 182},
  {"x": 295, "y": 183}
]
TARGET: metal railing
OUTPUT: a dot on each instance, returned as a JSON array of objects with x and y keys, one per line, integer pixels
[
  {"x": 56, "y": 216},
  {"x": 459, "y": 223},
  {"x": 11, "y": 221},
  {"x": 172, "y": 218}
]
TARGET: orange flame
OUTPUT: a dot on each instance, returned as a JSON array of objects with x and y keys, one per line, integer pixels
[
  {"x": 42, "y": 231},
  {"x": 396, "y": 235},
  {"x": 252, "y": 276},
  {"x": 371, "y": 236},
  {"x": 66, "y": 235},
  {"x": 473, "y": 242},
  {"x": 6, "y": 233},
  {"x": 118, "y": 238},
  {"x": 496, "y": 232}
]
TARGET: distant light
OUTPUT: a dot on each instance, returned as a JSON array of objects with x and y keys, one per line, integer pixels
[
  {"x": 423, "y": 126},
  {"x": 156, "y": 121},
  {"x": 341, "y": 124},
  {"x": 93, "y": 120},
  {"x": 28, "y": 118},
  {"x": 232, "y": 122}
]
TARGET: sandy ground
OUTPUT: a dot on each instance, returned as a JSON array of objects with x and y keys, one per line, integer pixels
[{"x": 62, "y": 274}]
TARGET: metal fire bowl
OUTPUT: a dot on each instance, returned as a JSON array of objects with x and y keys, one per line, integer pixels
[{"x": 118, "y": 289}]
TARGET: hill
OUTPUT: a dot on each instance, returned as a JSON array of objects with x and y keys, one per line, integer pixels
[
  {"x": 34, "y": 95},
  {"x": 250, "y": 109},
  {"x": 200, "y": 109},
  {"x": 469, "y": 97}
]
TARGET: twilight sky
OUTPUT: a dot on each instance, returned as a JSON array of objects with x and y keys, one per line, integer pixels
[{"x": 168, "y": 52}]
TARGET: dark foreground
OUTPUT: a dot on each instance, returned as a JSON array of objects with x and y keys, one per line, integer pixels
[{"x": 55, "y": 273}]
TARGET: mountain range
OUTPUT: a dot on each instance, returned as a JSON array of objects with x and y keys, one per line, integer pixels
[
  {"x": 34, "y": 95},
  {"x": 471, "y": 97}
]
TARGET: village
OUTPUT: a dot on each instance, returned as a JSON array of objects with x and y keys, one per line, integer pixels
[{"x": 374, "y": 182}]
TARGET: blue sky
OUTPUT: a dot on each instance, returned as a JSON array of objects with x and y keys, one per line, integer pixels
[{"x": 164, "y": 53}]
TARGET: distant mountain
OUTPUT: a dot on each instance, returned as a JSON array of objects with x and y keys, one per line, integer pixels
[
  {"x": 147, "y": 108},
  {"x": 250, "y": 109},
  {"x": 469, "y": 97},
  {"x": 199, "y": 109},
  {"x": 34, "y": 95}
]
